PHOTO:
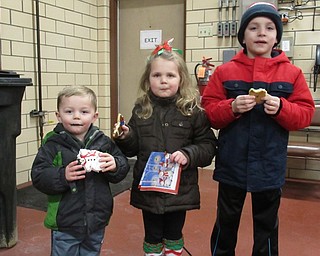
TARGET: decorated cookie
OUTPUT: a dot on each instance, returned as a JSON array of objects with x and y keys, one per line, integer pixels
[
  {"x": 89, "y": 159},
  {"x": 258, "y": 93},
  {"x": 117, "y": 131}
]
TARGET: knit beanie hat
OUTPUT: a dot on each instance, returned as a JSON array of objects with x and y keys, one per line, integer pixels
[{"x": 260, "y": 9}]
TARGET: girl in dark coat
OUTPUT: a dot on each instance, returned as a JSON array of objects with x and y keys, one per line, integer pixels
[{"x": 167, "y": 118}]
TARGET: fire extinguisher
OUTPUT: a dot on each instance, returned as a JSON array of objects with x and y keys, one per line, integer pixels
[{"x": 202, "y": 72}]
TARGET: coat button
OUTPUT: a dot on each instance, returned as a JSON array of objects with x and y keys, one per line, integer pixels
[{"x": 280, "y": 86}]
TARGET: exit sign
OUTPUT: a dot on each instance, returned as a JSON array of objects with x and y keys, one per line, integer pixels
[{"x": 149, "y": 39}]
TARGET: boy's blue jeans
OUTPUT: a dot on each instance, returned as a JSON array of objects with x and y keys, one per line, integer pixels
[{"x": 76, "y": 244}]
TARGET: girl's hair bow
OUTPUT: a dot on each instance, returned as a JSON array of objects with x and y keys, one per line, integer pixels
[{"x": 166, "y": 46}]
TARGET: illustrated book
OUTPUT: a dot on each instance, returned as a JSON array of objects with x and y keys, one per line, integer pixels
[{"x": 160, "y": 174}]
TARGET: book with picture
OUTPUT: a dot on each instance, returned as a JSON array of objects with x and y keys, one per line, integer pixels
[{"x": 160, "y": 174}]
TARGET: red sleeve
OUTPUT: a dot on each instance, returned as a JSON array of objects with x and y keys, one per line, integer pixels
[
  {"x": 216, "y": 104},
  {"x": 298, "y": 109}
]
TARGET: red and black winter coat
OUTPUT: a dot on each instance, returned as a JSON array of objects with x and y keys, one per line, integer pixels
[
  {"x": 252, "y": 147},
  {"x": 167, "y": 130}
]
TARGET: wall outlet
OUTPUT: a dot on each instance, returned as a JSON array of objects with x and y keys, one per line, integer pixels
[
  {"x": 286, "y": 45},
  {"x": 204, "y": 31}
]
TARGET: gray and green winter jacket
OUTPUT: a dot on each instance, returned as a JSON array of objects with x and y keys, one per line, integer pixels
[{"x": 90, "y": 208}]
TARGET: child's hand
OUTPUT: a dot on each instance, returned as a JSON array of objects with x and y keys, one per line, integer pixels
[
  {"x": 243, "y": 103},
  {"x": 74, "y": 171},
  {"x": 125, "y": 131},
  {"x": 107, "y": 162},
  {"x": 179, "y": 158},
  {"x": 271, "y": 104}
]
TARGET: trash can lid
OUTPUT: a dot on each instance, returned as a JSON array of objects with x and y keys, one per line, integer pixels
[
  {"x": 8, "y": 78},
  {"x": 9, "y": 73}
]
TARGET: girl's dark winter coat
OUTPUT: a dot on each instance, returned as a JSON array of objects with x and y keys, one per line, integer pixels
[{"x": 167, "y": 130}]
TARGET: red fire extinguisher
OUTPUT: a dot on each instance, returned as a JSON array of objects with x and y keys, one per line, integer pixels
[{"x": 202, "y": 72}]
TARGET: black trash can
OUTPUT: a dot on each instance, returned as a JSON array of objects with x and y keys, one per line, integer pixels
[{"x": 12, "y": 88}]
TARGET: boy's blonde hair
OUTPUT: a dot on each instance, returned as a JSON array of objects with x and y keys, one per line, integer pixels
[
  {"x": 77, "y": 91},
  {"x": 188, "y": 97}
]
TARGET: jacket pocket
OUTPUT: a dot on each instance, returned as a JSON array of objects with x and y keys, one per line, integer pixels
[
  {"x": 181, "y": 128},
  {"x": 236, "y": 88},
  {"x": 280, "y": 89}
]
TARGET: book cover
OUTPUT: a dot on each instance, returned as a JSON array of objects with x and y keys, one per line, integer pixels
[{"x": 160, "y": 174}]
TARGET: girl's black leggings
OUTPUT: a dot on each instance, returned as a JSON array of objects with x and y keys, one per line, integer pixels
[{"x": 163, "y": 226}]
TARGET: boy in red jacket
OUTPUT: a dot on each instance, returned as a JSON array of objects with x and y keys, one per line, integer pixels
[{"x": 253, "y": 136}]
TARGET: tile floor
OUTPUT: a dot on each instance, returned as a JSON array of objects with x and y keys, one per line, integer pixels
[{"x": 299, "y": 225}]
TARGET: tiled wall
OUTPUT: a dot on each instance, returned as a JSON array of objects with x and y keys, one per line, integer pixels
[{"x": 75, "y": 50}]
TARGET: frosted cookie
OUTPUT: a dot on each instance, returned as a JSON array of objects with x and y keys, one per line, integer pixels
[
  {"x": 117, "y": 131},
  {"x": 89, "y": 159},
  {"x": 258, "y": 93}
]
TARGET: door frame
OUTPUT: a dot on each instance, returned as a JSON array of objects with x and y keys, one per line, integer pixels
[{"x": 114, "y": 92}]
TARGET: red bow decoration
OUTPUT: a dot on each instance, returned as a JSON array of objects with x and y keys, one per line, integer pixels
[{"x": 163, "y": 47}]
